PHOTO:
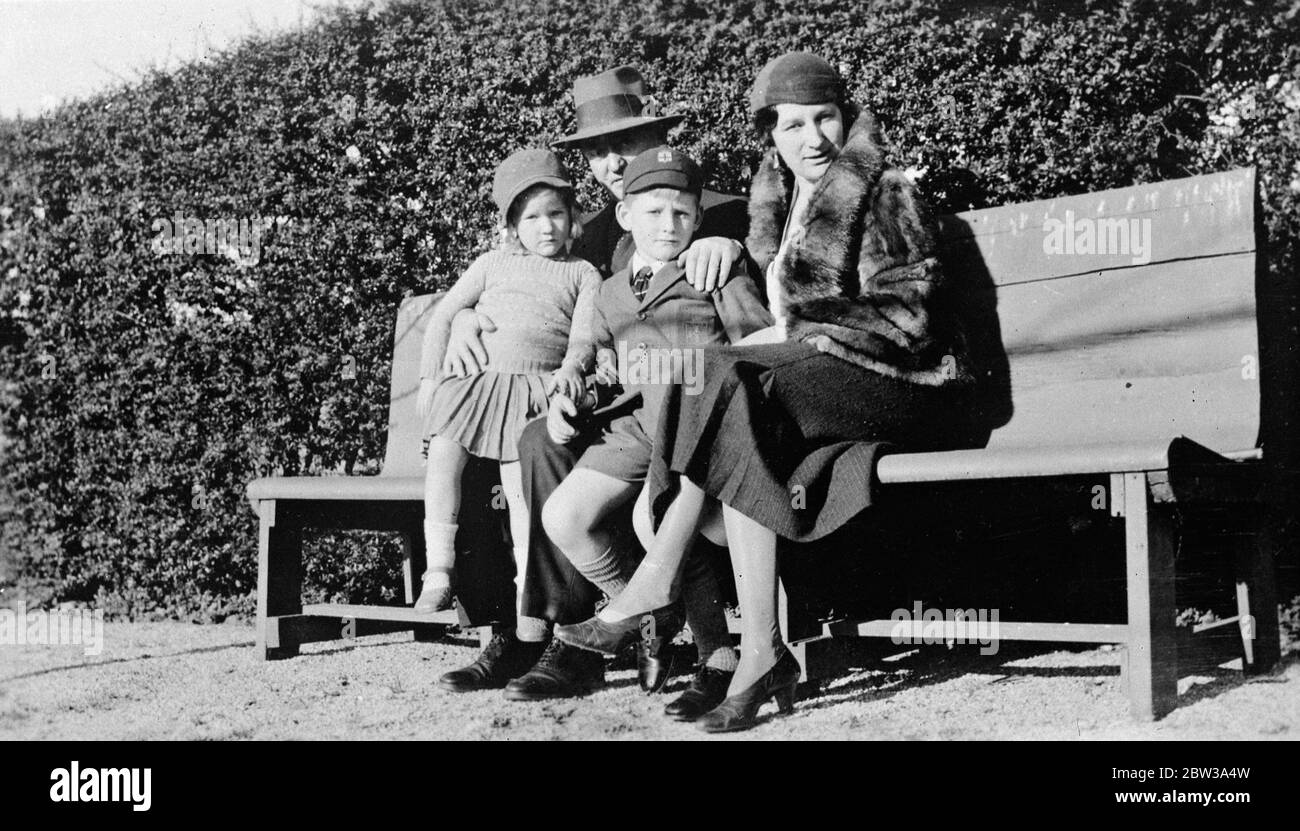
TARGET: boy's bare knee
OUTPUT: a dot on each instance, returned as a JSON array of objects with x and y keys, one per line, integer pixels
[{"x": 559, "y": 521}]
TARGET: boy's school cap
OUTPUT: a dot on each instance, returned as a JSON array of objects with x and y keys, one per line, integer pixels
[
  {"x": 663, "y": 167},
  {"x": 794, "y": 78},
  {"x": 523, "y": 169}
]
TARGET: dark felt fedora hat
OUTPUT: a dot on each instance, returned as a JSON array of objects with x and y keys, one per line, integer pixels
[{"x": 611, "y": 102}]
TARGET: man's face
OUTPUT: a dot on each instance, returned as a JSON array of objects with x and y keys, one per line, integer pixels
[
  {"x": 608, "y": 155},
  {"x": 662, "y": 221}
]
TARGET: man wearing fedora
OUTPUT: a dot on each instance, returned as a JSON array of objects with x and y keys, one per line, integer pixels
[{"x": 615, "y": 121}]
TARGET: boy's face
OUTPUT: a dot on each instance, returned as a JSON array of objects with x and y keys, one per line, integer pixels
[{"x": 662, "y": 221}]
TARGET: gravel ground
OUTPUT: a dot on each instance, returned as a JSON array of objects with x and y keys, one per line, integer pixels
[{"x": 183, "y": 681}]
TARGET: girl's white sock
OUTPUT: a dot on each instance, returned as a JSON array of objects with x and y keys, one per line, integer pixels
[{"x": 439, "y": 552}]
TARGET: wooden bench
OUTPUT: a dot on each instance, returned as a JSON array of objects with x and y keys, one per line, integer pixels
[
  {"x": 288, "y": 506},
  {"x": 1143, "y": 375},
  {"x": 1138, "y": 369}
]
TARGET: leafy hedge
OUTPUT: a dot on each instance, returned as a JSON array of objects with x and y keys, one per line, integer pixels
[{"x": 143, "y": 388}]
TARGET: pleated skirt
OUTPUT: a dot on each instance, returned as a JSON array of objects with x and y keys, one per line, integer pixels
[{"x": 486, "y": 413}]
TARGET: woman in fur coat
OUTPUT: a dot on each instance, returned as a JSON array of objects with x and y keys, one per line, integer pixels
[{"x": 785, "y": 434}]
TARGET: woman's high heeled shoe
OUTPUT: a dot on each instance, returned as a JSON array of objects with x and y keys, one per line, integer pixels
[{"x": 740, "y": 711}]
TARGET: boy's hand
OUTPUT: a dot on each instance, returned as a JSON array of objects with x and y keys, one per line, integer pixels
[
  {"x": 606, "y": 367},
  {"x": 708, "y": 262},
  {"x": 424, "y": 401},
  {"x": 558, "y": 425},
  {"x": 465, "y": 355},
  {"x": 567, "y": 381}
]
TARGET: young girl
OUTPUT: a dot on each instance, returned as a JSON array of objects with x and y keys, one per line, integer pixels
[{"x": 541, "y": 300}]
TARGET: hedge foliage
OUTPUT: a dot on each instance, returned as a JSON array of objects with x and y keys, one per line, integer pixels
[{"x": 143, "y": 388}]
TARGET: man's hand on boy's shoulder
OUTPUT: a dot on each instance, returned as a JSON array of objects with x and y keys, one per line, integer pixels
[{"x": 709, "y": 262}]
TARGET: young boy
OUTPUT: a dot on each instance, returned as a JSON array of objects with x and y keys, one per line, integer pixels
[{"x": 654, "y": 324}]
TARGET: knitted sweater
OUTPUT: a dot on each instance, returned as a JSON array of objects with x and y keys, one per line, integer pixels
[{"x": 542, "y": 309}]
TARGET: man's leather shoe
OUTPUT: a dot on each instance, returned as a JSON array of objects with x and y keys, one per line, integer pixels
[
  {"x": 708, "y": 689},
  {"x": 563, "y": 671},
  {"x": 504, "y": 657}
]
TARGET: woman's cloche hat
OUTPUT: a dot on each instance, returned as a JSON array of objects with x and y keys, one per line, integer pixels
[
  {"x": 611, "y": 102},
  {"x": 521, "y": 170},
  {"x": 795, "y": 78}
]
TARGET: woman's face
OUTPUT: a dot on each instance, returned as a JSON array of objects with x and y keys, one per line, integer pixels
[{"x": 808, "y": 137}]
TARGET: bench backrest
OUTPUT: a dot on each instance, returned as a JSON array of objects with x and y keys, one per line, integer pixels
[
  {"x": 402, "y": 456},
  {"x": 1117, "y": 316}
]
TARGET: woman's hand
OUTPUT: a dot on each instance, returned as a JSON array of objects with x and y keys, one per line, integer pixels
[
  {"x": 465, "y": 354},
  {"x": 567, "y": 381},
  {"x": 424, "y": 400},
  {"x": 558, "y": 425},
  {"x": 708, "y": 262}
]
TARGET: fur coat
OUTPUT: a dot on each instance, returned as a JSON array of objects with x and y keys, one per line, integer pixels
[{"x": 863, "y": 282}]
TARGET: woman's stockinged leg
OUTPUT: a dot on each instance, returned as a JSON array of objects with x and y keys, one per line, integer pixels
[
  {"x": 651, "y": 586},
  {"x": 753, "y": 561}
]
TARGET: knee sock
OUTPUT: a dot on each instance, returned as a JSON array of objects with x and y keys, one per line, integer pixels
[
  {"x": 532, "y": 629},
  {"x": 607, "y": 571},
  {"x": 705, "y": 614},
  {"x": 440, "y": 552}
]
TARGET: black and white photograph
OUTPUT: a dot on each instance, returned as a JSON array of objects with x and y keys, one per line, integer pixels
[{"x": 654, "y": 370}]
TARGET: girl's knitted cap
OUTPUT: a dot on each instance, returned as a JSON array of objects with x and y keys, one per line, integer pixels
[{"x": 523, "y": 169}]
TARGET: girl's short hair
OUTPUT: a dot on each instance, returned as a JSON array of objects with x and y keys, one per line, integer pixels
[{"x": 510, "y": 239}]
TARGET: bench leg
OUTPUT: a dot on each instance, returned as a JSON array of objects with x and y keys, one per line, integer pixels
[
  {"x": 816, "y": 657},
  {"x": 413, "y": 562},
  {"x": 1257, "y": 600},
  {"x": 279, "y": 582},
  {"x": 1152, "y": 659}
]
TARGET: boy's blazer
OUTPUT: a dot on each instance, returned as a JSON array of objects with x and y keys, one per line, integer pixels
[{"x": 672, "y": 315}]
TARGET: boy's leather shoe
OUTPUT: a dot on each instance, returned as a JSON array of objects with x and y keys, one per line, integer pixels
[
  {"x": 563, "y": 671},
  {"x": 505, "y": 657}
]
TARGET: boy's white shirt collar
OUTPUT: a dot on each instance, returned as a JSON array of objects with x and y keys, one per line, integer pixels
[{"x": 639, "y": 262}]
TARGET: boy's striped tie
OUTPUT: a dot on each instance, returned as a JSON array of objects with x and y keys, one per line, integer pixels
[{"x": 641, "y": 282}]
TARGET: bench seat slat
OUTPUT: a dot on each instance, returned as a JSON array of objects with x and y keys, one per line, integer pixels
[
  {"x": 1023, "y": 462},
  {"x": 357, "y": 488}
]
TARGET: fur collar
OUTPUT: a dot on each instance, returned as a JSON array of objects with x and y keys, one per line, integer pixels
[{"x": 863, "y": 282}]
